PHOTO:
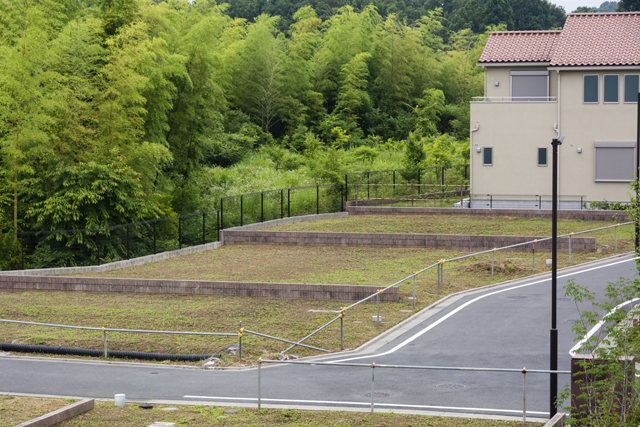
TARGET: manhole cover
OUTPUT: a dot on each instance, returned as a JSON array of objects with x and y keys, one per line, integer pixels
[
  {"x": 153, "y": 373},
  {"x": 518, "y": 297},
  {"x": 450, "y": 386},
  {"x": 563, "y": 299},
  {"x": 377, "y": 394}
]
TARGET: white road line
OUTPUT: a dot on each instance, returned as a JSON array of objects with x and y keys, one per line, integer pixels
[
  {"x": 468, "y": 303},
  {"x": 331, "y": 402}
]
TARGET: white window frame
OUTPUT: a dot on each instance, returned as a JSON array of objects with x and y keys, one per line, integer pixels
[
  {"x": 603, "y": 88},
  {"x": 487, "y": 164},
  {"x": 538, "y": 157},
  {"x": 583, "y": 77},
  {"x": 527, "y": 73},
  {"x": 625, "y": 87}
]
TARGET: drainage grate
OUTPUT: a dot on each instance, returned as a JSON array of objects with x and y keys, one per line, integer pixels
[
  {"x": 450, "y": 386},
  {"x": 564, "y": 299},
  {"x": 377, "y": 395},
  {"x": 518, "y": 297}
]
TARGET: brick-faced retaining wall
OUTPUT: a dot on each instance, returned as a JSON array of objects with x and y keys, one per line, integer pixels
[
  {"x": 398, "y": 240},
  {"x": 584, "y": 215},
  {"x": 293, "y": 291}
]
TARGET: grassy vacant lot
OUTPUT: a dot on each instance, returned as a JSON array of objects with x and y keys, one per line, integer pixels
[
  {"x": 106, "y": 414},
  {"x": 16, "y": 410},
  {"x": 287, "y": 319},
  {"x": 453, "y": 224}
]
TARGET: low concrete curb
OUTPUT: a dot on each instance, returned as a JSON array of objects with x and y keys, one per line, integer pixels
[
  {"x": 60, "y": 415},
  {"x": 557, "y": 420}
]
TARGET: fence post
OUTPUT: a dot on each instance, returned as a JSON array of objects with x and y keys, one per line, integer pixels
[
  {"x": 356, "y": 186},
  {"x": 218, "y": 226},
  {"x": 84, "y": 249},
  {"x": 259, "y": 380},
  {"x": 98, "y": 245},
  {"x": 492, "y": 253},
  {"x": 393, "y": 189},
  {"x": 346, "y": 187},
  {"x": 317, "y": 200},
  {"x": 241, "y": 211},
  {"x": 155, "y": 251},
  {"x": 128, "y": 257},
  {"x": 204, "y": 230},
  {"x": 570, "y": 236},
  {"x": 240, "y": 340},
  {"x": 22, "y": 250},
  {"x": 539, "y": 202},
  {"x": 490, "y": 201},
  {"x": 533, "y": 265},
  {"x": 281, "y": 203},
  {"x": 220, "y": 215},
  {"x": 419, "y": 170},
  {"x": 368, "y": 184},
  {"x": 616, "y": 247},
  {"x": 179, "y": 232},
  {"x": 373, "y": 371},
  {"x": 288, "y": 203},
  {"x": 524, "y": 395},
  {"x": 104, "y": 341},
  {"x": 414, "y": 290},
  {"x": 342, "y": 330},
  {"x": 461, "y": 196},
  {"x": 412, "y": 194},
  {"x": 262, "y": 206}
]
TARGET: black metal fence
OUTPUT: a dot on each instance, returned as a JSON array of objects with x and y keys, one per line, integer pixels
[
  {"x": 73, "y": 248},
  {"x": 425, "y": 180},
  {"x": 252, "y": 208}
]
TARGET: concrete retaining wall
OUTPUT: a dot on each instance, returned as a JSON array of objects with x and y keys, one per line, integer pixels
[
  {"x": 438, "y": 241},
  {"x": 63, "y": 414},
  {"x": 293, "y": 291},
  {"x": 584, "y": 215}
]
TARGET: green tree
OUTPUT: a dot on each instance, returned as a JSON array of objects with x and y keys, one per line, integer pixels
[
  {"x": 353, "y": 95},
  {"x": 586, "y": 9},
  {"x": 628, "y": 6},
  {"x": 498, "y": 12},
  {"x": 27, "y": 90}
]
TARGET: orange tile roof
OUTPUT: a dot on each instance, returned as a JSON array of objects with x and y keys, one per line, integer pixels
[
  {"x": 587, "y": 39},
  {"x": 520, "y": 46},
  {"x": 599, "y": 39}
]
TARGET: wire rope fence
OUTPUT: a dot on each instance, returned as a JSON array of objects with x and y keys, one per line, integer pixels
[{"x": 373, "y": 366}]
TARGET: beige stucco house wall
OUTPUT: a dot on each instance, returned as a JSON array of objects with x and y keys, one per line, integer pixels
[{"x": 514, "y": 127}]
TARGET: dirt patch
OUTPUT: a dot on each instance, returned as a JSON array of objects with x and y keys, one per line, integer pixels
[{"x": 503, "y": 268}]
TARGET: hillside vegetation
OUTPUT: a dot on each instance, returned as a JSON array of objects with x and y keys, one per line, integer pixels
[{"x": 121, "y": 110}]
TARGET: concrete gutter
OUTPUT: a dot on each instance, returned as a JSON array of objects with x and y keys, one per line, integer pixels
[{"x": 63, "y": 414}]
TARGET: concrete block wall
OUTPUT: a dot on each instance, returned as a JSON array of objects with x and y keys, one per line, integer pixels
[
  {"x": 292, "y": 291},
  {"x": 399, "y": 240},
  {"x": 584, "y": 215}
]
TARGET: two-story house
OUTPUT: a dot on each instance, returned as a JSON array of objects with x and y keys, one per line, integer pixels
[{"x": 580, "y": 82}]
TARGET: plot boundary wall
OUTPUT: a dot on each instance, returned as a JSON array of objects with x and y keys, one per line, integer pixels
[
  {"x": 291, "y": 291},
  {"x": 400, "y": 240}
]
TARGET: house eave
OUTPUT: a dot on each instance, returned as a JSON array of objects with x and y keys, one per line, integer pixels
[
  {"x": 592, "y": 67},
  {"x": 514, "y": 64}
]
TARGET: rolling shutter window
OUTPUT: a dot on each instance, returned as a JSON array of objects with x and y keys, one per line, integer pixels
[
  {"x": 631, "y": 87},
  {"x": 529, "y": 85},
  {"x": 614, "y": 161}
]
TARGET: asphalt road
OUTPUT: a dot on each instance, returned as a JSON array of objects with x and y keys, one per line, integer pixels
[{"x": 498, "y": 327}]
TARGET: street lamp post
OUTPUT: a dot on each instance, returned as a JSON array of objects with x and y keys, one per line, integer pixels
[{"x": 553, "y": 356}]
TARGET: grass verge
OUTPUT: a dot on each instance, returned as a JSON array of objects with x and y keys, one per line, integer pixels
[
  {"x": 15, "y": 410},
  {"x": 106, "y": 414},
  {"x": 454, "y": 224}
]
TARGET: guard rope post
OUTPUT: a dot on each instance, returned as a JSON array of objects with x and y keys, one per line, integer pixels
[
  {"x": 533, "y": 265},
  {"x": 373, "y": 373},
  {"x": 104, "y": 341},
  {"x": 524, "y": 396},
  {"x": 240, "y": 340}
]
